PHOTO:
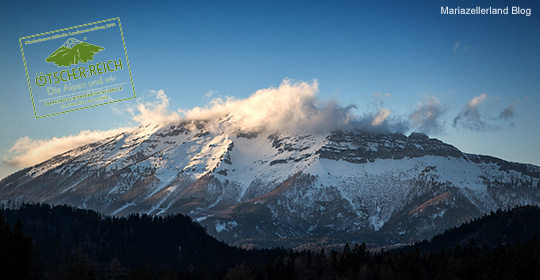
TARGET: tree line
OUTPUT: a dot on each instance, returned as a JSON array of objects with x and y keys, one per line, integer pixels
[{"x": 39, "y": 241}]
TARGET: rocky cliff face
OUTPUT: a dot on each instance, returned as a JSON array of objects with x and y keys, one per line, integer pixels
[{"x": 285, "y": 189}]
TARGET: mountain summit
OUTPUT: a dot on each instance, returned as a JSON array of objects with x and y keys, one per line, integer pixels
[{"x": 281, "y": 189}]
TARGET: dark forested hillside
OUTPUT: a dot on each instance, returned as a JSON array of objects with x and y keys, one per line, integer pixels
[
  {"x": 17, "y": 253},
  {"x": 69, "y": 238},
  {"x": 80, "y": 244},
  {"x": 466, "y": 252},
  {"x": 508, "y": 227}
]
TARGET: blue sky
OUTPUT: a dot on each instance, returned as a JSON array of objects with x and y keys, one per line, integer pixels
[{"x": 373, "y": 54}]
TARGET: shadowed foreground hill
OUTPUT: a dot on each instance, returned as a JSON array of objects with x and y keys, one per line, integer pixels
[
  {"x": 520, "y": 224},
  {"x": 81, "y": 244},
  {"x": 459, "y": 253},
  {"x": 71, "y": 241}
]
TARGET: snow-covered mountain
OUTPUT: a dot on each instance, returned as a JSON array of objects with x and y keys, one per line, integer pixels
[{"x": 285, "y": 189}]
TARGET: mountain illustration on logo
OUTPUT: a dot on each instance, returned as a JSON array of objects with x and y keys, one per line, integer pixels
[{"x": 72, "y": 52}]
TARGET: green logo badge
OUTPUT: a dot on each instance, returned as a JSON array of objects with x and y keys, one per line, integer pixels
[
  {"x": 73, "y": 51},
  {"x": 90, "y": 68}
]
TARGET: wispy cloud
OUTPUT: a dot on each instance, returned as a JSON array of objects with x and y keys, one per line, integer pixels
[
  {"x": 470, "y": 118},
  {"x": 456, "y": 46},
  {"x": 154, "y": 111},
  {"x": 381, "y": 116},
  {"x": 381, "y": 95},
  {"x": 209, "y": 94},
  {"x": 508, "y": 112},
  {"x": 27, "y": 151},
  {"x": 460, "y": 46},
  {"x": 292, "y": 106},
  {"x": 427, "y": 116}
]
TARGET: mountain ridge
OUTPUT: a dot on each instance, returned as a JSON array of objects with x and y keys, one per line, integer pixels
[{"x": 274, "y": 189}]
